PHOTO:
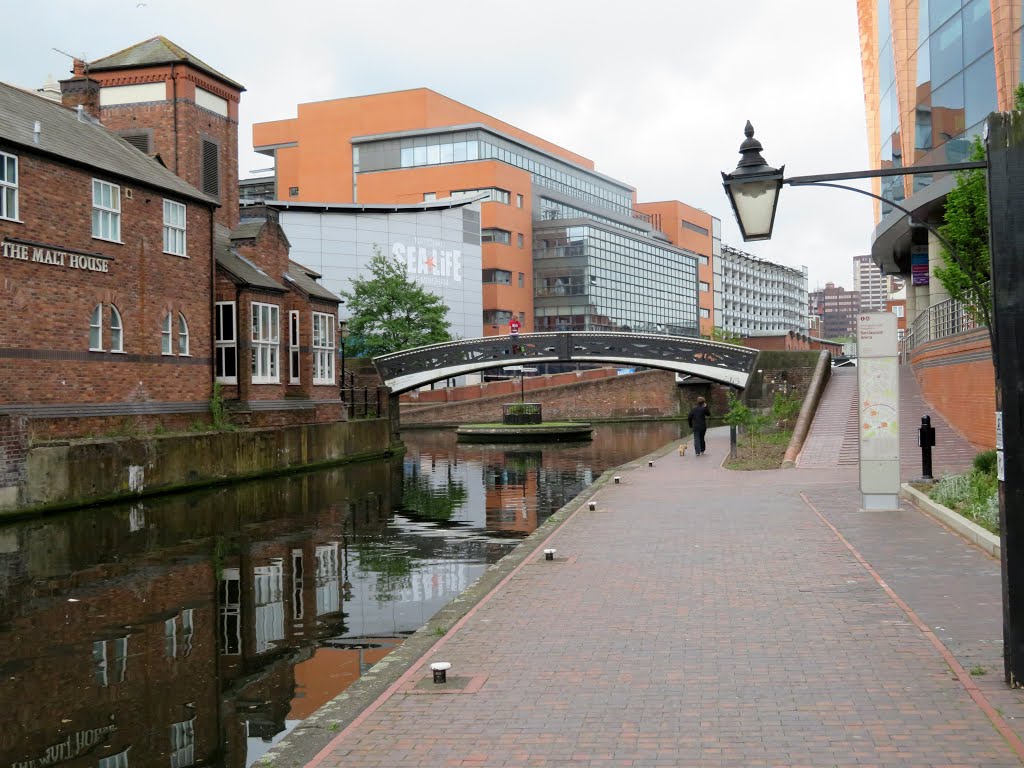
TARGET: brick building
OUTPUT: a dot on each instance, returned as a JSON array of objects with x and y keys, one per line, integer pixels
[
  {"x": 837, "y": 308},
  {"x": 145, "y": 289}
]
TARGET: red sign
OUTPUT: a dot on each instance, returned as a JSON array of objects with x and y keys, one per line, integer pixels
[{"x": 513, "y": 326}]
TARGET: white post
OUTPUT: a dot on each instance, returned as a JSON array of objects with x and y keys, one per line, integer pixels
[{"x": 878, "y": 387}]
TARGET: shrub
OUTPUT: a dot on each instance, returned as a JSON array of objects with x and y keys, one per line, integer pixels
[{"x": 985, "y": 462}]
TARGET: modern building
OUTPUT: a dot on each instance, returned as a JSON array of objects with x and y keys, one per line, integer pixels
[
  {"x": 417, "y": 146},
  {"x": 257, "y": 189},
  {"x": 760, "y": 297},
  {"x": 837, "y": 309},
  {"x": 933, "y": 71},
  {"x": 870, "y": 283},
  {"x": 438, "y": 241}
]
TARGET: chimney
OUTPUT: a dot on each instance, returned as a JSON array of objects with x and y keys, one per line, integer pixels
[{"x": 81, "y": 91}]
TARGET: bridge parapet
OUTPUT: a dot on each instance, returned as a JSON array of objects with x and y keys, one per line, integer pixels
[{"x": 715, "y": 361}]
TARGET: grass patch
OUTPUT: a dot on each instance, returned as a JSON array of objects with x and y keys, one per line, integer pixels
[
  {"x": 974, "y": 494},
  {"x": 760, "y": 451},
  {"x": 977, "y": 670}
]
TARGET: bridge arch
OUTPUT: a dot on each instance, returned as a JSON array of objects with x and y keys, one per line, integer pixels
[{"x": 413, "y": 368}]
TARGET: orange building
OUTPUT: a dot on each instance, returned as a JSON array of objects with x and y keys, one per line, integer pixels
[{"x": 417, "y": 146}]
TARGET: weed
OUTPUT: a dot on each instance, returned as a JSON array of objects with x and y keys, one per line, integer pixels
[
  {"x": 973, "y": 495},
  {"x": 986, "y": 462},
  {"x": 218, "y": 411},
  {"x": 334, "y": 726},
  {"x": 439, "y": 631},
  {"x": 977, "y": 670}
]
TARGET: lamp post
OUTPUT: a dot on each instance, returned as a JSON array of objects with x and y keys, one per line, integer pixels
[
  {"x": 343, "y": 334},
  {"x": 753, "y": 191}
]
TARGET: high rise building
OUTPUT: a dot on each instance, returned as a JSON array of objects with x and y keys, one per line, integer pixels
[
  {"x": 933, "y": 71},
  {"x": 761, "y": 298},
  {"x": 870, "y": 283},
  {"x": 563, "y": 246},
  {"x": 837, "y": 310}
]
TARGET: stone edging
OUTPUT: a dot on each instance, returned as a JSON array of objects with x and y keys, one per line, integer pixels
[
  {"x": 971, "y": 531},
  {"x": 315, "y": 732}
]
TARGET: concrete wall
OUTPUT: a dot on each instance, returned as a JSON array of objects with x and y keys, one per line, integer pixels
[
  {"x": 778, "y": 371},
  {"x": 958, "y": 380},
  {"x": 89, "y": 471}
]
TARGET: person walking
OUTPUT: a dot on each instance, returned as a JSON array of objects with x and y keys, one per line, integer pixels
[{"x": 698, "y": 421}]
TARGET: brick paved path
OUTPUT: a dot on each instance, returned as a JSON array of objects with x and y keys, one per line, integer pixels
[{"x": 705, "y": 618}]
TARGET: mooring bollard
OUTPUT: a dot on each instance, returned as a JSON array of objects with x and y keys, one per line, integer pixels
[
  {"x": 440, "y": 669},
  {"x": 650, "y": 463},
  {"x": 592, "y": 505},
  {"x": 617, "y": 479},
  {"x": 549, "y": 554}
]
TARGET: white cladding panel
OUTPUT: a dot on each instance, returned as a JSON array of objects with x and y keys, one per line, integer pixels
[
  {"x": 132, "y": 94},
  {"x": 432, "y": 244},
  {"x": 212, "y": 102}
]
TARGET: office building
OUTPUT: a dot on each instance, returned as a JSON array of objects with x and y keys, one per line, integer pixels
[
  {"x": 870, "y": 283},
  {"x": 417, "y": 146},
  {"x": 761, "y": 298},
  {"x": 933, "y": 71},
  {"x": 837, "y": 309}
]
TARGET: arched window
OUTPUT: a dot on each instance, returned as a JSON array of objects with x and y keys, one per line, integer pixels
[
  {"x": 96, "y": 329},
  {"x": 166, "y": 341},
  {"x": 116, "y": 331},
  {"x": 182, "y": 335}
]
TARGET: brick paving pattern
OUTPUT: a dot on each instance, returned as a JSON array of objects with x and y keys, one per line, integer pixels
[
  {"x": 952, "y": 454},
  {"x": 702, "y": 617}
]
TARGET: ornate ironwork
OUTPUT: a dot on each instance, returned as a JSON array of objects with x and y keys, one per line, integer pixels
[{"x": 725, "y": 363}]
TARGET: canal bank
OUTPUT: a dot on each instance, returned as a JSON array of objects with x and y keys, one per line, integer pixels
[
  {"x": 682, "y": 624},
  {"x": 65, "y": 474},
  {"x": 315, "y": 733}
]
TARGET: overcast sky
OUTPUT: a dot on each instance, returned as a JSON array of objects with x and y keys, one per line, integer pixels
[{"x": 655, "y": 92}]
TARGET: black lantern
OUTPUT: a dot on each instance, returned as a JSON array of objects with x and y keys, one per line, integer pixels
[{"x": 753, "y": 190}]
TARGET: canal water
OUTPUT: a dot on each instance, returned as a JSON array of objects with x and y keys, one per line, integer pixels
[{"x": 200, "y": 628}]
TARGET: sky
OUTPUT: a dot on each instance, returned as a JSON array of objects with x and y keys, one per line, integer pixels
[{"x": 655, "y": 92}]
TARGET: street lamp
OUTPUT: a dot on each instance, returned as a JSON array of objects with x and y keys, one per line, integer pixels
[
  {"x": 1004, "y": 167},
  {"x": 343, "y": 334},
  {"x": 753, "y": 189}
]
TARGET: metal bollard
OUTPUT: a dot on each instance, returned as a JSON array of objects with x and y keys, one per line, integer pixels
[{"x": 926, "y": 439}]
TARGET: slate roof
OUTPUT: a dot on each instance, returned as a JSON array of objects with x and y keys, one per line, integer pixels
[
  {"x": 157, "y": 50},
  {"x": 64, "y": 135},
  {"x": 306, "y": 279},
  {"x": 240, "y": 268}
]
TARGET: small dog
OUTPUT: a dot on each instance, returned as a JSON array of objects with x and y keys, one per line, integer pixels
[{"x": 682, "y": 449}]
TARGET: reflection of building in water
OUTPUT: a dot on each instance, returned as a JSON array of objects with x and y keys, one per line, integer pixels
[{"x": 169, "y": 631}]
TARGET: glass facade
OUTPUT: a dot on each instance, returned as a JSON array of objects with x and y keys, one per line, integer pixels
[
  {"x": 954, "y": 87},
  {"x": 588, "y": 278},
  {"x": 552, "y": 209},
  {"x": 468, "y": 146}
]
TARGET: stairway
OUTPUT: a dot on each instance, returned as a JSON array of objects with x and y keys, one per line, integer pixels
[{"x": 833, "y": 438}]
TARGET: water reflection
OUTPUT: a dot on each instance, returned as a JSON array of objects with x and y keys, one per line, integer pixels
[{"x": 201, "y": 628}]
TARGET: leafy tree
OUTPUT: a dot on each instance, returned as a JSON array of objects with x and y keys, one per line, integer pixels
[
  {"x": 390, "y": 312},
  {"x": 966, "y": 229}
]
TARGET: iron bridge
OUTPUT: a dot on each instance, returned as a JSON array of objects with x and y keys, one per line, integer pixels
[{"x": 413, "y": 368}]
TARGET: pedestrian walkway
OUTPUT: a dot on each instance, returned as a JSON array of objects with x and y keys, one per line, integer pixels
[
  {"x": 701, "y": 617},
  {"x": 832, "y": 440},
  {"x": 833, "y": 437}
]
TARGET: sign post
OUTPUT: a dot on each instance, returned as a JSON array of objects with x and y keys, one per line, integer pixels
[{"x": 878, "y": 387}]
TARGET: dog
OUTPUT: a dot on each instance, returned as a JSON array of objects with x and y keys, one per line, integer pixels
[{"x": 682, "y": 449}]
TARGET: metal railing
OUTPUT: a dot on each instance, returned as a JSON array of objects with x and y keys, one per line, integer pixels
[{"x": 946, "y": 318}]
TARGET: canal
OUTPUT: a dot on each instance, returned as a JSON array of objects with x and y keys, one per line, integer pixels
[{"x": 200, "y": 628}]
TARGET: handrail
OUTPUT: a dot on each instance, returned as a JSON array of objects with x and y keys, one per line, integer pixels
[{"x": 946, "y": 318}]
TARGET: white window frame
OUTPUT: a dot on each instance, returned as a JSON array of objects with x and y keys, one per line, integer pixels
[
  {"x": 705, "y": 313},
  {"x": 225, "y": 346},
  {"x": 519, "y": 201},
  {"x": 96, "y": 329},
  {"x": 704, "y": 287},
  {"x": 8, "y": 187},
  {"x": 293, "y": 348},
  {"x": 323, "y": 348},
  {"x": 175, "y": 224},
  {"x": 120, "y": 760},
  {"x": 166, "y": 336},
  {"x": 183, "y": 340},
  {"x": 265, "y": 335},
  {"x": 106, "y": 216},
  {"x": 183, "y": 744}
]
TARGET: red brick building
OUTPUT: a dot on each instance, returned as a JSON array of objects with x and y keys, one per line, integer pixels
[{"x": 135, "y": 284}]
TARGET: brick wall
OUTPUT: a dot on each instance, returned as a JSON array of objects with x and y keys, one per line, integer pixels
[
  {"x": 44, "y": 346},
  {"x": 957, "y": 379},
  {"x": 651, "y": 393}
]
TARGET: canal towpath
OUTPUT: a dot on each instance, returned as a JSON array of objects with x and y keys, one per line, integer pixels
[{"x": 702, "y": 617}]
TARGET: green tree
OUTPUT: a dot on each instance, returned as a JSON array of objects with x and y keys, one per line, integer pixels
[
  {"x": 966, "y": 228},
  {"x": 390, "y": 312}
]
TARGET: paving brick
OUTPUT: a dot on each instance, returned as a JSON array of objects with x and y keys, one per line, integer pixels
[{"x": 714, "y": 618}]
